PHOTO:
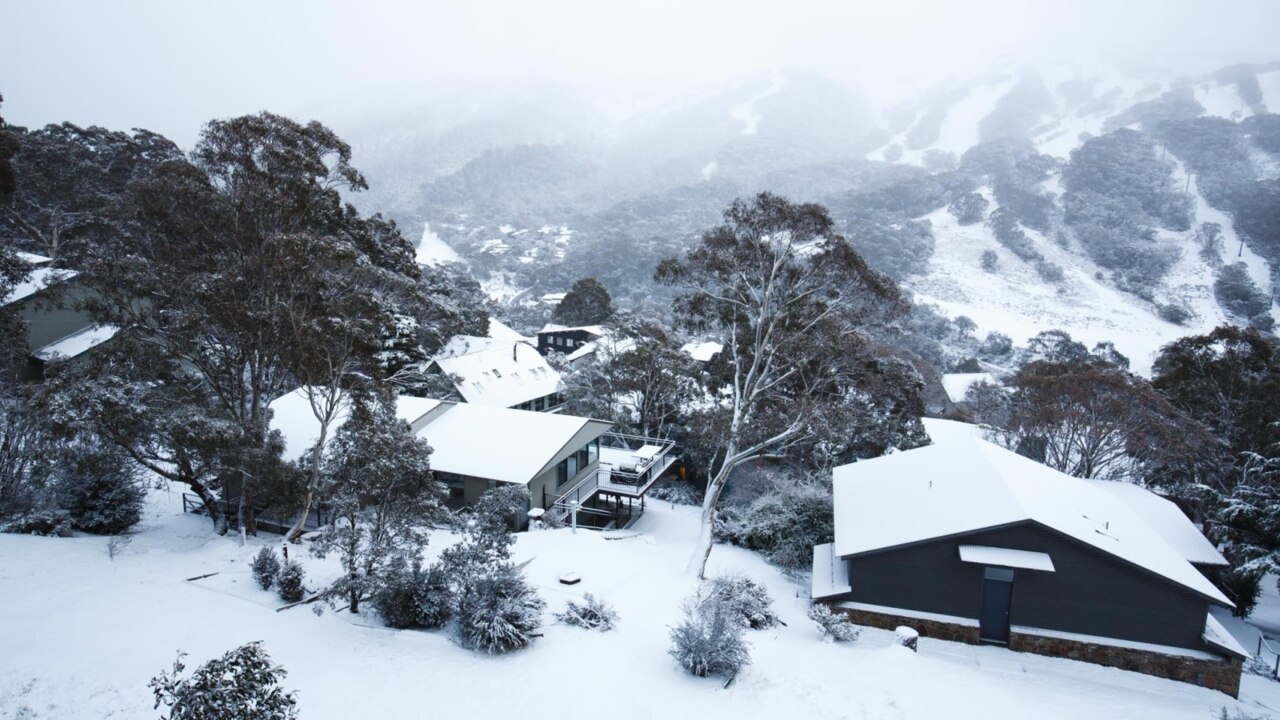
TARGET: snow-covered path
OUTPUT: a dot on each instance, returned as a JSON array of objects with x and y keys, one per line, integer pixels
[{"x": 81, "y": 635}]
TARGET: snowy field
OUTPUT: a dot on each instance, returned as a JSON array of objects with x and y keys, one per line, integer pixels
[{"x": 82, "y": 634}]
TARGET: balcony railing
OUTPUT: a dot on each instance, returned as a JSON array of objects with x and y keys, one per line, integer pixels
[{"x": 629, "y": 465}]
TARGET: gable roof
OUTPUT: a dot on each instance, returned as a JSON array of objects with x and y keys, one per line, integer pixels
[
  {"x": 501, "y": 374},
  {"x": 40, "y": 278},
  {"x": 957, "y": 384},
  {"x": 501, "y": 444},
  {"x": 964, "y": 484},
  {"x": 77, "y": 343},
  {"x": 597, "y": 330},
  {"x": 292, "y": 415},
  {"x": 1167, "y": 519}
]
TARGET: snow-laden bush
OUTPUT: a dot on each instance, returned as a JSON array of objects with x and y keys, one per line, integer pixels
[
  {"x": 709, "y": 639},
  {"x": 407, "y": 595},
  {"x": 746, "y": 599},
  {"x": 784, "y": 523},
  {"x": 50, "y": 521},
  {"x": 265, "y": 567},
  {"x": 501, "y": 612},
  {"x": 835, "y": 626},
  {"x": 592, "y": 614},
  {"x": 289, "y": 581},
  {"x": 243, "y": 683},
  {"x": 101, "y": 490}
]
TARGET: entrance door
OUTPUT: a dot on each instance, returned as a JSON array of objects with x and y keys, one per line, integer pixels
[{"x": 997, "y": 596}]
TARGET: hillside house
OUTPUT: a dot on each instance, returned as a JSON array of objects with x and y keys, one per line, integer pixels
[
  {"x": 499, "y": 373},
  {"x": 571, "y": 465},
  {"x": 56, "y": 330},
  {"x": 967, "y": 541}
]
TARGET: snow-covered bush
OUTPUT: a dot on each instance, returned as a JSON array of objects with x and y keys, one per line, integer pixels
[
  {"x": 835, "y": 626},
  {"x": 42, "y": 521},
  {"x": 265, "y": 567},
  {"x": 990, "y": 260},
  {"x": 243, "y": 683},
  {"x": 680, "y": 492},
  {"x": 289, "y": 581},
  {"x": 709, "y": 639},
  {"x": 784, "y": 523},
  {"x": 100, "y": 488},
  {"x": 407, "y": 595},
  {"x": 745, "y": 598},
  {"x": 501, "y": 613},
  {"x": 592, "y": 614}
]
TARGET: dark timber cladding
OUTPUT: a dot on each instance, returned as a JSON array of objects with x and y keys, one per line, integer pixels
[{"x": 1091, "y": 592}]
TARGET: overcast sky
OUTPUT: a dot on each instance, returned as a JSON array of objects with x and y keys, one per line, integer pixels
[{"x": 170, "y": 65}]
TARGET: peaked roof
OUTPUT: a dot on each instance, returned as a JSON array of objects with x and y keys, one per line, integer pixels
[
  {"x": 597, "y": 330},
  {"x": 957, "y": 384},
  {"x": 1167, "y": 519},
  {"x": 501, "y": 374},
  {"x": 963, "y": 484},
  {"x": 292, "y": 415},
  {"x": 501, "y": 444},
  {"x": 40, "y": 278}
]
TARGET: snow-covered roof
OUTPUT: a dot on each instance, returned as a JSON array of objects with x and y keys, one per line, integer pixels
[
  {"x": 702, "y": 351},
  {"x": 39, "y": 279},
  {"x": 463, "y": 344},
  {"x": 1218, "y": 636},
  {"x": 965, "y": 484},
  {"x": 501, "y": 444},
  {"x": 553, "y": 298},
  {"x": 597, "y": 330},
  {"x": 77, "y": 343},
  {"x": 1006, "y": 557},
  {"x": 1167, "y": 519},
  {"x": 32, "y": 258},
  {"x": 501, "y": 374},
  {"x": 294, "y": 417},
  {"x": 499, "y": 331},
  {"x": 957, "y": 384}
]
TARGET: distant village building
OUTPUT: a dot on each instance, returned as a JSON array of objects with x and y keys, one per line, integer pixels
[
  {"x": 56, "y": 330},
  {"x": 581, "y": 343},
  {"x": 502, "y": 370},
  {"x": 964, "y": 540},
  {"x": 571, "y": 465}
]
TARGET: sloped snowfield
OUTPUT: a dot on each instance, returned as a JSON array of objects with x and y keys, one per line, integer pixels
[
  {"x": 82, "y": 634},
  {"x": 1016, "y": 301}
]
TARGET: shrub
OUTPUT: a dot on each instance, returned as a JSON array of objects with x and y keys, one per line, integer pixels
[
  {"x": 990, "y": 260},
  {"x": 592, "y": 614},
  {"x": 1050, "y": 271},
  {"x": 709, "y": 639},
  {"x": 43, "y": 521},
  {"x": 101, "y": 490},
  {"x": 835, "y": 626},
  {"x": 500, "y": 614},
  {"x": 410, "y": 596},
  {"x": 243, "y": 683},
  {"x": 746, "y": 599},
  {"x": 289, "y": 581},
  {"x": 1175, "y": 314},
  {"x": 265, "y": 567},
  {"x": 1237, "y": 293},
  {"x": 784, "y": 523}
]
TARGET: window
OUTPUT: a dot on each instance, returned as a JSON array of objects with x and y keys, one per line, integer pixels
[
  {"x": 593, "y": 451},
  {"x": 562, "y": 473},
  {"x": 496, "y": 373}
]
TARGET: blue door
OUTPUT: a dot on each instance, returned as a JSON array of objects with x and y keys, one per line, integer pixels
[{"x": 997, "y": 598}]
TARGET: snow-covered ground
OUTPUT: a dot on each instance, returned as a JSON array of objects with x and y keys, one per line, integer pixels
[
  {"x": 432, "y": 250},
  {"x": 82, "y": 634},
  {"x": 745, "y": 112},
  {"x": 1016, "y": 301}
]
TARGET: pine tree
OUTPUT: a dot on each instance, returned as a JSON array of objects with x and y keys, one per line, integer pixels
[
  {"x": 289, "y": 581},
  {"x": 587, "y": 303},
  {"x": 265, "y": 567}
]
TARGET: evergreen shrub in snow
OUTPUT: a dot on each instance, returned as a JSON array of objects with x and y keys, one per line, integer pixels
[
  {"x": 101, "y": 490},
  {"x": 265, "y": 567},
  {"x": 709, "y": 639},
  {"x": 289, "y": 581},
  {"x": 784, "y": 523},
  {"x": 501, "y": 612},
  {"x": 745, "y": 599},
  {"x": 41, "y": 521},
  {"x": 592, "y": 614},
  {"x": 243, "y": 683},
  {"x": 835, "y": 626},
  {"x": 408, "y": 595}
]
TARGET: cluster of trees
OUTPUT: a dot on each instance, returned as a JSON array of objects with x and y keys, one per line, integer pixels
[
  {"x": 1204, "y": 431},
  {"x": 234, "y": 274}
]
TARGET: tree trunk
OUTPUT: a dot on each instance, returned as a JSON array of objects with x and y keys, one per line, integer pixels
[
  {"x": 211, "y": 506},
  {"x": 702, "y": 551},
  {"x": 301, "y": 523}
]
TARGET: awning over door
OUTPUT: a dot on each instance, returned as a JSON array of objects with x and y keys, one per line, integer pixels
[{"x": 1006, "y": 557}]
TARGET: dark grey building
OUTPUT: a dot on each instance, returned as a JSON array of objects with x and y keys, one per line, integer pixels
[{"x": 967, "y": 541}]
